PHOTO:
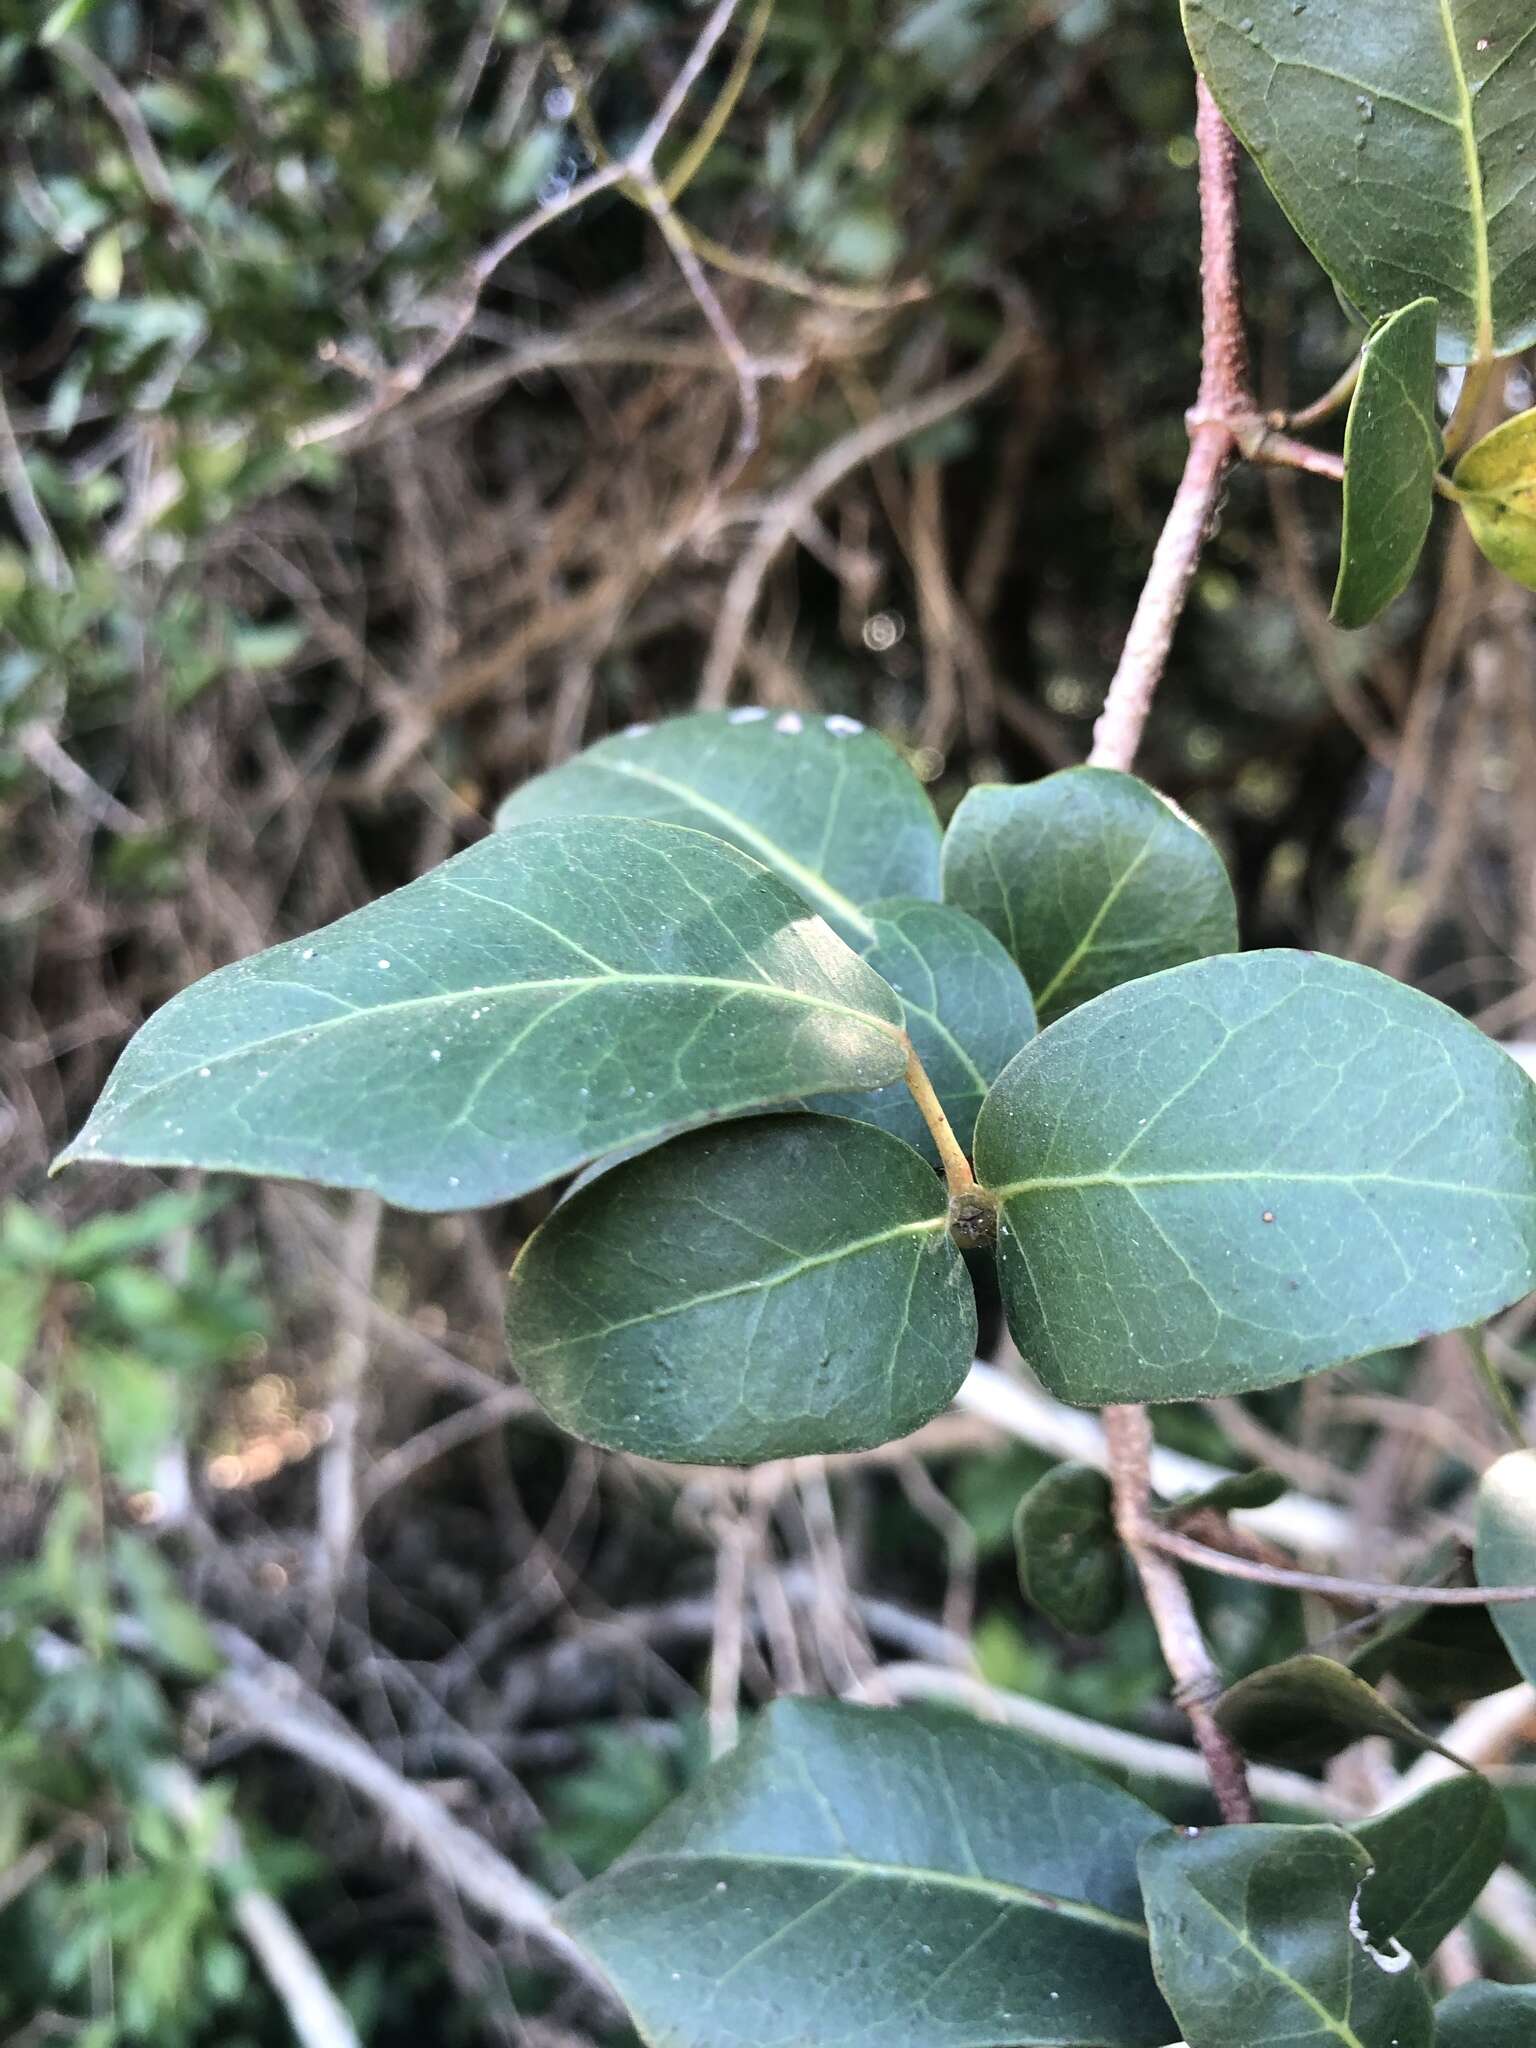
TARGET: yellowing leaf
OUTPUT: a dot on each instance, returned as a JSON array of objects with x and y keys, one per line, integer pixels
[{"x": 1497, "y": 479}]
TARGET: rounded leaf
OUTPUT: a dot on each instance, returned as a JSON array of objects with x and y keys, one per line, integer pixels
[
  {"x": 895, "y": 1878},
  {"x": 830, "y": 808},
  {"x": 548, "y": 996},
  {"x": 1432, "y": 1856},
  {"x": 1070, "y": 1562},
  {"x": 1242, "y": 1171},
  {"x": 1089, "y": 878},
  {"x": 1256, "y": 1938},
  {"x": 775, "y": 1288},
  {"x": 1497, "y": 480},
  {"x": 967, "y": 1012}
]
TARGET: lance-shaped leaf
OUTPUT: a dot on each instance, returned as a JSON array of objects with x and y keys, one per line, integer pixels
[
  {"x": 1071, "y": 1565},
  {"x": 1497, "y": 480},
  {"x": 967, "y": 1012},
  {"x": 774, "y": 1288},
  {"x": 1394, "y": 133},
  {"x": 1239, "y": 1172},
  {"x": 1487, "y": 2016},
  {"x": 831, "y": 808},
  {"x": 1506, "y": 1549},
  {"x": 1432, "y": 1857},
  {"x": 1307, "y": 1709},
  {"x": 1391, "y": 452},
  {"x": 893, "y": 1879},
  {"x": 547, "y": 996},
  {"x": 1256, "y": 1937},
  {"x": 1089, "y": 878}
]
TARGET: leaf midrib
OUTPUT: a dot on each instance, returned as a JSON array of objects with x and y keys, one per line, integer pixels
[
  {"x": 1087, "y": 943},
  {"x": 995, "y": 1890},
  {"x": 805, "y": 879},
  {"x": 482, "y": 995},
  {"x": 809, "y": 1264},
  {"x": 1476, "y": 200},
  {"x": 1276, "y": 1175},
  {"x": 1341, "y": 2030}
]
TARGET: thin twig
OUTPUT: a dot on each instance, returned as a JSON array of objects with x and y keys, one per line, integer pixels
[
  {"x": 464, "y": 300},
  {"x": 1197, "y": 1683},
  {"x": 316, "y": 2014},
  {"x": 1223, "y": 398},
  {"x": 1300, "y": 1523},
  {"x": 1173, "y": 1544},
  {"x": 1116, "y": 1747},
  {"x": 121, "y": 105},
  {"x": 786, "y": 514},
  {"x": 53, "y": 571}
]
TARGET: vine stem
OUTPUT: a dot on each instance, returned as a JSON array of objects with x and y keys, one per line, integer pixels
[
  {"x": 958, "y": 1177},
  {"x": 1224, "y": 404}
]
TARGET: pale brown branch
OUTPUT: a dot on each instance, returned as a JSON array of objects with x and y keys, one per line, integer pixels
[
  {"x": 1197, "y": 1683},
  {"x": 1173, "y": 1544},
  {"x": 1223, "y": 401}
]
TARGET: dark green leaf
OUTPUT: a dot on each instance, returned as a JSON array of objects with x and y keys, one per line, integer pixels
[
  {"x": 1089, "y": 878},
  {"x": 1393, "y": 132},
  {"x": 1487, "y": 2016},
  {"x": 906, "y": 1879},
  {"x": 1256, "y": 1938},
  {"x": 1506, "y": 1549},
  {"x": 1070, "y": 1561},
  {"x": 1308, "y": 1709},
  {"x": 1444, "y": 1656},
  {"x": 1497, "y": 480},
  {"x": 1391, "y": 452},
  {"x": 550, "y": 995},
  {"x": 1257, "y": 1489},
  {"x": 967, "y": 1013},
  {"x": 1245, "y": 1170},
  {"x": 770, "y": 1289},
  {"x": 831, "y": 808},
  {"x": 1432, "y": 1857}
]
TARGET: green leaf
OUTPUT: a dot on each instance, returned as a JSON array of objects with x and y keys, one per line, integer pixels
[
  {"x": 1444, "y": 1656},
  {"x": 775, "y": 1288},
  {"x": 1071, "y": 1565},
  {"x": 911, "y": 1879},
  {"x": 1393, "y": 133},
  {"x": 1432, "y": 1857},
  {"x": 1256, "y": 1938},
  {"x": 1506, "y": 1549},
  {"x": 136, "y": 1410},
  {"x": 1497, "y": 479},
  {"x": 1242, "y": 1171},
  {"x": 1392, "y": 449},
  {"x": 967, "y": 1012},
  {"x": 831, "y": 808},
  {"x": 552, "y": 994},
  {"x": 1090, "y": 879},
  {"x": 1307, "y": 1709},
  {"x": 1487, "y": 2016},
  {"x": 1260, "y": 1488}
]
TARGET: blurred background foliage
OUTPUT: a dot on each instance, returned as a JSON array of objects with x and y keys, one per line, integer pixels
[{"x": 312, "y": 549}]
